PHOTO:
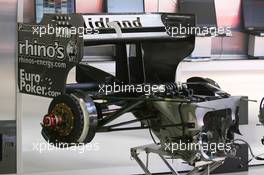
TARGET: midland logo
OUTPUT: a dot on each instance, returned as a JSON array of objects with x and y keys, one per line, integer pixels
[
  {"x": 103, "y": 23},
  {"x": 35, "y": 49}
]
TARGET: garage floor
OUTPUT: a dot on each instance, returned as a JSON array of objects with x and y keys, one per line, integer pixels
[{"x": 113, "y": 157}]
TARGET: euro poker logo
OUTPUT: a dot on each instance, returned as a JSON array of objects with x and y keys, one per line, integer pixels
[{"x": 30, "y": 83}]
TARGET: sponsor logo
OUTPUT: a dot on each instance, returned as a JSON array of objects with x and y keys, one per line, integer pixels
[
  {"x": 34, "y": 83},
  {"x": 29, "y": 82},
  {"x": 103, "y": 23},
  {"x": 72, "y": 51},
  {"x": 53, "y": 51}
]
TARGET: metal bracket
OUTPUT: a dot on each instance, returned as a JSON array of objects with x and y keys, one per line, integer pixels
[{"x": 203, "y": 169}]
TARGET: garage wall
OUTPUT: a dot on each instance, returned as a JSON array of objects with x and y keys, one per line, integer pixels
[
  {"x": 8, "y": 18},
  {"x": 91, "y": 6},
  {"x": 29, "y": 11},
  {"x": 7, "y": 58},
  {"x": 161, "y": 5},
  {"x": 229, "y": 13}
]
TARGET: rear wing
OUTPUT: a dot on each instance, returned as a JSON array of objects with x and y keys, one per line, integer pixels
[{"x": 49, "y": 50}]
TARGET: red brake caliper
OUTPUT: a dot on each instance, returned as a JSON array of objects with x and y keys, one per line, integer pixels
[{"x": 51, "y": 120}]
